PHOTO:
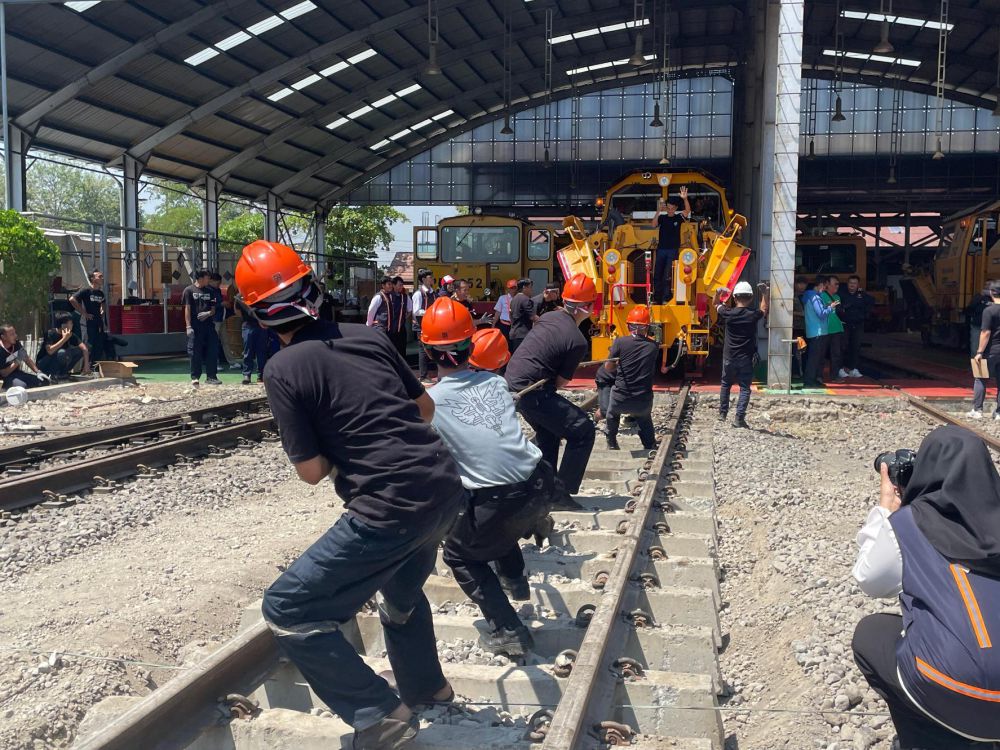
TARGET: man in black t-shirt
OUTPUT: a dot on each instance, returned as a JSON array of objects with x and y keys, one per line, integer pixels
[
  {"x": 90, "y": 303},
  {"x": 347, "y": 404},
  {"x": 740, "y": 348},
  {"x": 522, "y": 314},
  {"x": 551, "y": 352},
  {"x": 632, "y": 394},
  {"x": 988, "y": 349},
  {"x": 669, "y": 222},
  {"x": 12, "y": 359},
  {"x": 548, "y": 300},
  {"x": 61, "y": 350},
  {"x": 202, "y": 340}
]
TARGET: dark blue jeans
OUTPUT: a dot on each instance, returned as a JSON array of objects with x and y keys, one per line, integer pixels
[
  {"x": 254, "y": 350},
  {"x": 736, "y": 372},
  {"x": 640, "y": 409},
  {"x": 61, "y": 362},
  {"x": 330, "y": 583},
  {"x": 553, "y": 418},
  {"x": 665, "y": 258},
  {"x": 203, "y": 349}
]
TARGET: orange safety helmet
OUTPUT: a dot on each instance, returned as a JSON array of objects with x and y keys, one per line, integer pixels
[
  {"x": 580, "y": 289},
  {"x": 639, "y": 316},
  {"x": 267, "y": 267},
  {"x": 512, "y": 283},
  {"x": 489, "y": 349},
  {"x": 447, "y": 321}
]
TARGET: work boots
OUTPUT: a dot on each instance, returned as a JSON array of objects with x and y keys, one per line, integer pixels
[
  {"x": 516, "y": 588},
  {"x": 613, "y": 443},
  {"x": 511, "y": 642},
  {"x": 741, "y": 422},
  {"x": 543, "y": 530},
  {"x": 388, "y": 734}
]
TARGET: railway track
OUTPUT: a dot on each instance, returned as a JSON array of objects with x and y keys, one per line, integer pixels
[
  {"x": 45, "y": 470},
  {"x": 624, "y": 614}
]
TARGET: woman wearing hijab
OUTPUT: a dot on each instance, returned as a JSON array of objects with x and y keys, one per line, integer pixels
[{"x": 938, "y": 548}]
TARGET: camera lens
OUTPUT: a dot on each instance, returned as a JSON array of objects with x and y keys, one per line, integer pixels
[{"x": 888, "y": 457}]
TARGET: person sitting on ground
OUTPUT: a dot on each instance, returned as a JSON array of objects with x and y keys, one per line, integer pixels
[
  {"x": 633, "y": 361},
  {"x": 740, "y": 348},
  {"x": 988, "y": 349},
  {"x": 548, "y": 300},
  {"x": 934, "y": 541},
  {"x": 12, "y": 357},
  {"x": 855, "y": 306},
  {"x": 349, "y": 408},
  {"x": 61, "y": 350},
  {"x": 511, "y": 485},
  {"x": 816, "y": 332},
  {"x": 522, "y": 314},
  {"x": 550, "y": 354}
]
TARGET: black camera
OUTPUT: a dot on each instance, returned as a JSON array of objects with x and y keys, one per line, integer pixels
[{"x": 899, "y": 463}]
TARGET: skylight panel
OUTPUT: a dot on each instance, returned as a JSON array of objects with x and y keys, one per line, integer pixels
[
  {"x": 400, "y": 134},
  {"x": 231, "y": 41},
  {"x": 443, "y": 114},
  {"x": 307, "y": 81},
  {"x": 337, "y": 123},
  {"x": 277, "y": 96},
  {"x": 271, "y": 22},
  {"x": 383, "y": 101},
  {"x": 199, "y": 57},
  {"x": 874, "y": 58},
  {"x": 380, "y": 145},
  {"x": 603, "y": 65},
  {"x": 584, "y": 33},
  {"x": 334, "y": 69},
  {"x": 359, "y": 112},
  {"x": 422, "y": 123},
  {"x": 298, "y": 10},
  {"x": 921, "y": 23},
  {"x": 408, "y": 90},
  {"x": 361, "y": 56},
  {"x": 81, "y": 5}
]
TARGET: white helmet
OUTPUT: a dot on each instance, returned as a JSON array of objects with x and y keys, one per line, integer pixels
[{"x": 743, "y": 288}]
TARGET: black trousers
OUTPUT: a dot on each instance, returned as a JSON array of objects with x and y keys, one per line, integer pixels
[
  {"x": 874, "y": 646},
  {"x": 553, "y": 419},
  {"x": 489, "y": 530},
  {"x": 816, "y": 357},
  {"x": 852, "y": 352},
  {"x": 837, "y": 343},
  {"x": 504, "y": 328},
  {"x": 639, "y": 409},
  {"x": 60, "y": 363},
  {"x": 398, "y": 339},
  {"x": 512, "y": 344}
]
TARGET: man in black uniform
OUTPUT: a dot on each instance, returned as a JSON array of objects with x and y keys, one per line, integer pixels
[
  {"x": 740, "y": 348},
  {"x": 522, "y": 314},
  {"x": 551, "y": 352},
  {"x": 329, "y": 388},
  {"x": 668, "y": 221},
  {"x": 199, "y": 319},
  {"x": 89, "y": 302},
  {"x": 548, "y": 300},
  {"x": 61, "y": 350},
  {"x": 632, "y": 394}
]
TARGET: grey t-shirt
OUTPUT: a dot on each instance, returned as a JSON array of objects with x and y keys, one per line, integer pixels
[{"x": 474, "y": 415}]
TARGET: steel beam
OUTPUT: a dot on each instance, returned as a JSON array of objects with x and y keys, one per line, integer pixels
[
  {"x": 132, "y": 170},
  {"x": 210, "y": 220},
  {"x": 271, "y": 218},
  {"x": 319, "y": 239},
  {"x": 787, "y": 25},
  {"x": 16, "y": 169}
]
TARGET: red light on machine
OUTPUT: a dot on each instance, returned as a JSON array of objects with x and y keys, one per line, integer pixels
[
  {"x": 612, "y": 274},
  {"x": 599, "y": 202}
]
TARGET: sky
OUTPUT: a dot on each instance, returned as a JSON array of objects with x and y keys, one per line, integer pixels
[{"x": 402, "y": 232}]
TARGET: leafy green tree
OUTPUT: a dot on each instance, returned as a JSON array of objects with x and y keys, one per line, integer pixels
[
  {"x": 359, "y": 230},
  {"x": 27, "y": 260},
  {"x": 462, "y": 210},
  {"x": 242, "y": 229},
  {"x": 170, "y": 208},
  {"x": 73, "y": 192}
]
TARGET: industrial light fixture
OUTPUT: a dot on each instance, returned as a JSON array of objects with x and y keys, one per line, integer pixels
[
  {"x": 663, "y": 159},
  {"x": 838, "y": 114},
  {"x": 432, "y": 68},
  {"x": 892, "y": 175},
  {"x": 507, "y": 40},
  {"x": 942, "y": 67},
  {"x": 506, "y": 129},
  {"x": 938, "y": 154},
  {"x": 996, "y": 107},
  {"x": 656, "y": 122},
  {"x": 547, "y": 162},
  {"x": 637, "y": 58},
  {"x": 812, "y": 149},
  {"x": 884, "y": 46}
]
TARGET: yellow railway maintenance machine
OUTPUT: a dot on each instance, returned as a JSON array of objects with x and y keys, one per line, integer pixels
[{"x": 619, "y": 258}]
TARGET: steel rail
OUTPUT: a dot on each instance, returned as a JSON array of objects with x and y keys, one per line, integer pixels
[
  {"x": 943, "y": 416},
  {"x": 39, "y": 450},
  {"x": 28, "y": 489},
  {"x": 574, "y": 717}
]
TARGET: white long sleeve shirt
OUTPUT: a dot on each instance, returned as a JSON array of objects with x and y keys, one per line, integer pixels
[
  {"x": 879, "y": 567},
  {"x": 416, "y": 301},
  {"x": 373, "y": 307}
]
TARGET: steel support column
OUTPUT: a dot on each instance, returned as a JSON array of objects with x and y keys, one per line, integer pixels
[
  {"x": 271, "y": 218},
  {"x": 16, "y": 169},
  {"x": 319, "y": 239},
  {"x": 132, "y": 170},
  {"x": 785, "y": 182},
  {"x": 210, "y": 221}
]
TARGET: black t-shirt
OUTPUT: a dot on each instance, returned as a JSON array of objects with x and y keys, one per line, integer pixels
[
  {"x": 741, "y": 332},
  {"x": 553, "y": 349},
  {"x": 542, "y": 307},
  {"x": 991, "y": 323},
  {"x": 52, "y": 336},
  {"x": 522, "y": 308},
  {"x": 637, "y": 359},
  {"x": 670, "y": 231},
  {"x": 200, "y": 301},
  {"x": 344, "y": 393},
  {"x": 91, "y": 299}
]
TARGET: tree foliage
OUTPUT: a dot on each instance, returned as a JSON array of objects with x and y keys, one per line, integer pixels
[
  {"x": 73, "y": 192},
  {"x": 27, "y": 260},
  {"x": 242, "y": 229},
  {"x": 360, "y": 230}
]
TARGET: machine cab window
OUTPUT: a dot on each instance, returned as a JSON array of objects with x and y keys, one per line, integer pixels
[
  {"x": 426, "y": 243},
  {"x": 539, "y": 244},
  {"x": 827, "y": 258},
  {"x": 481, "y": 244}
]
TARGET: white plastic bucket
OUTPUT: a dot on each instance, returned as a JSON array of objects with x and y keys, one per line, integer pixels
[{"x": 16, "y": 396}]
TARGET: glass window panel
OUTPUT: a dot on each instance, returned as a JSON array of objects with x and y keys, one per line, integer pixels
[
  {"x": 961, "y": 141},
  {"x": 427, "y": 244},
  {"x": 591, "y": 128},
  {"x": 633, "y": 105},
  {"x": 611, "y": 105},
  {"x": 480, "y": 244},
  {"x": 634, "y": 127},
  {"x": 539, "y": 244},
  {"x": 590, "y": 150}
]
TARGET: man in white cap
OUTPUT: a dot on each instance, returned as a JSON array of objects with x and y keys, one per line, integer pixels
[{"x": 739, "y": 353}]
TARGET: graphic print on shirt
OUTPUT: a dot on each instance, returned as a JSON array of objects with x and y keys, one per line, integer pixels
[{"x": 480, "y": 405}]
